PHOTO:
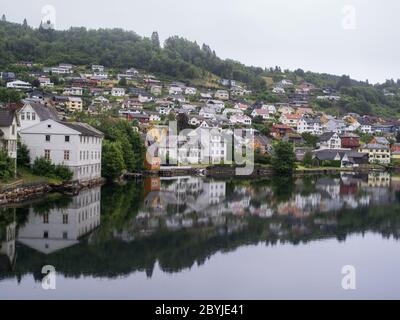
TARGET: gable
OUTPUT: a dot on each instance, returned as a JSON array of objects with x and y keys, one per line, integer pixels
[{"x": 56, "y": 128}]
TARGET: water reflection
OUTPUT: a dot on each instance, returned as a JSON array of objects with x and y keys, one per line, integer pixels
[{"x": 179, "y": 222}]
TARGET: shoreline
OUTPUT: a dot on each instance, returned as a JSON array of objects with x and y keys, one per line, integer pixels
[{"x": 32, "y": 191}]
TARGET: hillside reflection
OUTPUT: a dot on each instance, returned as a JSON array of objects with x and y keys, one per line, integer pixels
[{"x": 180, "y": 222}]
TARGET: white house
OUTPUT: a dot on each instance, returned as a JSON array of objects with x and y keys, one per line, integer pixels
[
  {"x": 260, "y": 113},
  {"x": 290, "y": 120},
  {"x": 74, "y": 91},
  {"x": 75, "y": 145},
  {"x": 221, "y": 95},
  {"x": 240, "y": 119},
  {"x": 278, "y": 90},
  {"x": 118, "y": 92},
  {"x": 32, "y": 113},
  {"x": 207, "y": 113},
  {"x": 8, "y": 131},
  {"x": 329, "y": 140},
  {"x": 20, "y": 85},
  {"x": 60, "y": 228},
  {"x": 270, "y": 108},
  {"x": 217, "y": 105},
  {"x": 175, "y": 90},
  {"x": 45, "y": 82},
  {"x": 231, "y": 111},
  {"x": 190, "y": 91},
  {"x": 309, "y": 125},
  {"x": 366, "y": 128}
]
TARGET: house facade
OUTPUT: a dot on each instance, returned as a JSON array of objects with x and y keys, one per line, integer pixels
[
  {"x": 75, "y": 145},
  {"x": 377, "y": 153},
  {"x": 8, "y": 131}
]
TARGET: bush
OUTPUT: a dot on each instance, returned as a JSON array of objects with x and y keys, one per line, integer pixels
[
  {"x": 6, "y": 166},
  {"x": 23, "y": 158},
  {"x": 43, "y": 167},
  {"x": 63, "y": 172}
]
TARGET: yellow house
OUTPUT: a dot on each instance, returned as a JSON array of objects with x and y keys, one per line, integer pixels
[
  {"x": 377, "y": 153},
  {"x": 74, "y": 104}
]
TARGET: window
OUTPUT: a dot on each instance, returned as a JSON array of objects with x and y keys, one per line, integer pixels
[
  {"x": 22, "y": 115},
  {"x": 46, "y": 218},
  {"x": 66, "y": 138},
  {"x": 13, "y": 129},
  {"x": 28, "y": 116},
  {"x": 45, "y": 234},
  {"x": 47, "y": 138},
  {"x": 65, "y": 219},
  {"x": 66, "y": 154},
  {"x": 47, "y": 154},
  {"x": 33, "y": 116},
  {"x": 65, "y": 235}
]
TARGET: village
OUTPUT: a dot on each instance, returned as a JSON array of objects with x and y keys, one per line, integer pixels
[{"x": 45, "y": 120}]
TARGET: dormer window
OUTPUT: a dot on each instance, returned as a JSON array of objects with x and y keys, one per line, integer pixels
[{"x": 49, "y": 126}]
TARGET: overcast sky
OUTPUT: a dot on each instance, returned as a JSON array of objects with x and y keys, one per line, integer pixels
[{"x": 355, "y": 37}]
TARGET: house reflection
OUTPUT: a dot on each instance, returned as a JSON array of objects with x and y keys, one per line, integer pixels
[
  {"x": 60, "y": 228},
  {"x": 7, "y": 247}
]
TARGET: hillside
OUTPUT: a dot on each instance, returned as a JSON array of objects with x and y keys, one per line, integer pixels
[{"x": 183, "y": 60}]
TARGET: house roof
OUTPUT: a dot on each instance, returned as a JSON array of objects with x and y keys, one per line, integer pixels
[
  {"x": 44, "y": 112},
  {"x": 83, "y": 128},
  {"x": 326, "y": 136},
  {"x": 381, "y": 140},
  {"x": 375, "y": 146},
  {"x": 6, "y": 117}
]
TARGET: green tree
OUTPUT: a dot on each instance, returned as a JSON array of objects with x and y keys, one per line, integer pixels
[
  {"x": 23, "y": 157},
  {"x": 283, "y": 160},
  {"x": 122, "y": 82},
  {"x": 308, "y": 160},
  {"x": 6, "y": 166},
  {"x": 112, "y": 160},
  {"x": 310, "y": 140},
  {"x": 155, "y": 39}
]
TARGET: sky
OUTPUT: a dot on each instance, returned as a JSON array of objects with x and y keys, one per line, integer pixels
[{"x": 354, "y": 37}]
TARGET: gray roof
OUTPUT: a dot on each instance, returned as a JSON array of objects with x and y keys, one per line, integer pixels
[
  {"x": 326, "y": 136},
  {"x": 381, "y": 140},
  {"x": 83, "y": 128},
  {"x": 330, "y": 154},
  {"x": 375, "y": 146},
  {"x": 44, "y": 112},
  {"x": 6, "y": 117}
]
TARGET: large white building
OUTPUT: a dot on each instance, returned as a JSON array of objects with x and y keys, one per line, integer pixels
[
  {"x": 21, "y": 85},
  {"x": 75, "y": 145}
]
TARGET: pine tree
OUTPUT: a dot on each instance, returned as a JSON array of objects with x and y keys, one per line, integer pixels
[
  {"x": 155, "y": 39},
  {"x": 3, "y": 18},
  {"x": 25, "y": 23}
]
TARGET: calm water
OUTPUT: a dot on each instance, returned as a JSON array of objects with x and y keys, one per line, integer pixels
[{"x": 196, "y": 238}]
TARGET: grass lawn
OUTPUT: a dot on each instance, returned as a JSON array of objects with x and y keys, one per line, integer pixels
[{"x": 25, "y": 176}]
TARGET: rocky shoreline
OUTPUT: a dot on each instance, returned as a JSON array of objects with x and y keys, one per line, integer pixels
[{"x": 27, "y": 192}]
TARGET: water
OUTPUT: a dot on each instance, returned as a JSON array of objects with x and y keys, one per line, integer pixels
[{"x": 196, "y": 238}]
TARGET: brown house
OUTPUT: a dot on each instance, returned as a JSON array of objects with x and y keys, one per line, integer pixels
[{"x": 350, "y": 141}]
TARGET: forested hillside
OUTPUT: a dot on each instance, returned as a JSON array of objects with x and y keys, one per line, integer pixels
[{"x": 181, "y": 59}]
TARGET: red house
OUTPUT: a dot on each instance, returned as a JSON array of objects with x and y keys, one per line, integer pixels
[{"x": 350, "y": 141}]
